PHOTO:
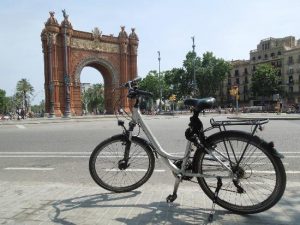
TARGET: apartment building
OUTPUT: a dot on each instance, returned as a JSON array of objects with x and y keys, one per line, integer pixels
[{"x": 283, "y": 53}]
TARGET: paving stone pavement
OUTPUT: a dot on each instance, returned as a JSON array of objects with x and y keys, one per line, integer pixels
[{"x": 70, "y": 204}]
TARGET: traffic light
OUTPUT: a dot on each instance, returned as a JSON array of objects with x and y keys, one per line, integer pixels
[
  {"x": 234, "y": 91},
  {"x": 172, "y": 98}
]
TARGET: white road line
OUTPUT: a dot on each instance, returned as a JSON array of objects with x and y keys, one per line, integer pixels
[
  {"x": 272, "y": 172},
  {"x": 171, "y": 153},
  {"x": 44, "y": 156},
  {"x": 134, "y": 170},
  {"x": 87, "y": 156},
  {"x": 21, "y": 126},
  {"x": 42, "y": 153},
  {"x": 28, "y": 168}
]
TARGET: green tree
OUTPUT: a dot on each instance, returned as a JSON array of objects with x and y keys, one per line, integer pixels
[
  {"x": 3, "y": 101},
  {"x": 191, "y": 65},
  {"x": 177, "y": 82},
  {"x": 211, "y": 75},
  {"x": 24, "y": 91},
  {"x": 152, "y": 83},
  {"x": 265, "y": 81},
  {"x": 94, "y": 97},
  {"x": 39, "y": 108}
]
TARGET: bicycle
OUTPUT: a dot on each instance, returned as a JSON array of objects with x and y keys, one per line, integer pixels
[{"x": 237, "y": 170}]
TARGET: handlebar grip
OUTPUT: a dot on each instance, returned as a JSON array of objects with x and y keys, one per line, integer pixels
[
  {"x": 131, "y": 83},
  {"x": 144, "y": 93}
]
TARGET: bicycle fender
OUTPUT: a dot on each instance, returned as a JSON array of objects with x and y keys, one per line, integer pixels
[
  {"x": 273, "y": 150},
  {"x": 270, "y": 147}
]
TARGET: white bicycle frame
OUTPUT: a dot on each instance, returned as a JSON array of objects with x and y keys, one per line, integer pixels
[{"x": 166, "y": 157}]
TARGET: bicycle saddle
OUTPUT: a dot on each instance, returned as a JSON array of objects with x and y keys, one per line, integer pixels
[{"x": 200, "y": 104}]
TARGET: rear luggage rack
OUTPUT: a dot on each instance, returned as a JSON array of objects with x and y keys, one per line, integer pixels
[{"x": 253, "y": 122}]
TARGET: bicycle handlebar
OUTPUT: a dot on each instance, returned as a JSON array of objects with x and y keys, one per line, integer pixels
[{"x": 133, "y": 92}]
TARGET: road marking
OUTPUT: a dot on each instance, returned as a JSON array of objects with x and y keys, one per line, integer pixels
[
  {"x": 271, "y": 172},
  {"x": 21, "y": 126},
  {"x": 28, "y": 168},
  {"x": 171, "y": 153},
  {"x": 133, "y": 170}
]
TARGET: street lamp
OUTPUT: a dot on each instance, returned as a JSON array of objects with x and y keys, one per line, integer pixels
[
  {"x": 160, "y": 88},
  {"x": 194, "y": 75}
]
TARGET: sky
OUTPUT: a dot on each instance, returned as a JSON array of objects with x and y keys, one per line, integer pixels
[{"x": 228, "y": 28}]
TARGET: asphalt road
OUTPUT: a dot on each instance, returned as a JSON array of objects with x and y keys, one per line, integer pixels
[{"x": 59, "y": 152}]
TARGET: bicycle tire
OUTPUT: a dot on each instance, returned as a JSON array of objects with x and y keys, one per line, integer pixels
[
  {"x": 262, "y": 191},
  {"x": 104, "y": 160}
]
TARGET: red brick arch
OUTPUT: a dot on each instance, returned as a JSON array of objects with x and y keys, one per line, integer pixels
[{"x": 68, "y": 51}]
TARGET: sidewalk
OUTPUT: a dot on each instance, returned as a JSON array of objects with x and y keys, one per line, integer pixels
[
  {"x": 69, "y": 204},
  {"x": 271, "y": 116}
]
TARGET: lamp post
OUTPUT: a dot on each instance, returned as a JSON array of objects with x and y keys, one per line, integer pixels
[
  {"x": 194, "y": 75},
  {"x": 160, "y": 88}
]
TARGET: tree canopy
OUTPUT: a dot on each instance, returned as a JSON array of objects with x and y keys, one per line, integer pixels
[
  {"x": 265, "y": 81},
  {"x": 209, "y": 73},
  {"x": 23, "y": 92},
  {"x": 93, "y": 98}
]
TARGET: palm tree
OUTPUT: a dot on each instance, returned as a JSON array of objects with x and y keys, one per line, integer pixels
[{"x": 24, "y": 90}]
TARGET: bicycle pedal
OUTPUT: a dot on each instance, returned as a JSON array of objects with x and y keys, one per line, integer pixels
[{"x": 171, "y": 198}]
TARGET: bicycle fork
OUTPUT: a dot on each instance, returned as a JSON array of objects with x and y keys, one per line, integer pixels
[{"x": 123, "y": 163}]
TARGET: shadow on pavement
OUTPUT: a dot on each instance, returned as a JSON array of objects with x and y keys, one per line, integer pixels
[
  {"x": 136, "y": 213},
  {"x": 126, "y": 208}
]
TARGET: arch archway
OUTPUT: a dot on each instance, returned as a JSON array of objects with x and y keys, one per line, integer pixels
[
  {"x": 91, "y": 78},
  {"x": 68, "y": 51}
]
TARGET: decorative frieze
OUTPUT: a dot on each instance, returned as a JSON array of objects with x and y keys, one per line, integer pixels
[{"x": 94, "y": 45}]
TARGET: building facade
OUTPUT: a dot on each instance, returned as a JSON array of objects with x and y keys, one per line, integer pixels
[{"x": 282, "y": 53}]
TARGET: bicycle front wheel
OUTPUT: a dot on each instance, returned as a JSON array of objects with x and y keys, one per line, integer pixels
[
  {"x": 261, "y": 175},
  {"x": 107, "y": 168}
]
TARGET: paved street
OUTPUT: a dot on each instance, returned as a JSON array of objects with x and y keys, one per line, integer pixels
[{"x": 44, "y": 177}]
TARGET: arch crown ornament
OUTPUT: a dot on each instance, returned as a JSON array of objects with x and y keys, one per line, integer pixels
[{"x": 67, "y": 51}]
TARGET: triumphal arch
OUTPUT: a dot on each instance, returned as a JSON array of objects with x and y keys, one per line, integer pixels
[{"x": 67, "y": 51}]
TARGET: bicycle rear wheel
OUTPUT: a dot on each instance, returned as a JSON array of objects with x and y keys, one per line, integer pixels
[
  {"x": 107, "y": 169},
  {"x": 260, "y": 174}
]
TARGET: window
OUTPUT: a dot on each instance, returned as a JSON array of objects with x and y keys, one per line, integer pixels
[
  {"x": 272, "y": 54},
  {"x": 278, "y": 63},
  {"x": 236, "y": 73},
  {"x": 259, "y": 57},
  {"x": 246, "y": 71},
  {"x": 266, "y": 56},
  {"x": 290, "y": 60},
  {"x": 237, "y": 80},
  {"x": 253, "y": 58},
  {"x": 291, "y": 89},
  {"x": 291, "y": 80},
  {"x": 279, "y": 53}
]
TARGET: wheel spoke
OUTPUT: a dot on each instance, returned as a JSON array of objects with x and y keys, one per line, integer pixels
[
  {"x": 109, "y": 169},
  {"x": 257, "y": 173}
]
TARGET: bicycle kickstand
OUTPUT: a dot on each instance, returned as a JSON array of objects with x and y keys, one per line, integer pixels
[
  {"x": 172, "y": 197},
  {"x": 219, "y": 185}
]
